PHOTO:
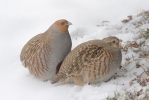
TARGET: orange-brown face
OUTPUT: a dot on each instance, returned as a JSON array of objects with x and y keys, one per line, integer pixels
[{"x": 62, "y": 25}]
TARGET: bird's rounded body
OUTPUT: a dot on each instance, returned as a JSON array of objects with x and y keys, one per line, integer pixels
[
  {"x": 42, "y": 53},
  {"x": 90, "y": 62}
]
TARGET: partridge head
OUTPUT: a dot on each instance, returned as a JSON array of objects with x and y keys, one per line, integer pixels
[
  {"x": 90, "y": 62},
  {"x": 112, "y": 40},
  {"x": 44, "y": 52}
]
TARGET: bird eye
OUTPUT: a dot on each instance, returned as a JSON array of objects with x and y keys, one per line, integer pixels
[
  {"x": 62, "y": 23},
  {"x": 113, "y": 41}
]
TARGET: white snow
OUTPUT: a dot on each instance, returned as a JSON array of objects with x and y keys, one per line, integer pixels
[{"x": 92, "y": 19}]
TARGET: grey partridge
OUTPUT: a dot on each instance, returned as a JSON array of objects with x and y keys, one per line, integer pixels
[
  {"x": 91, "y": 62},
  {"x": 44, "y": 52}
]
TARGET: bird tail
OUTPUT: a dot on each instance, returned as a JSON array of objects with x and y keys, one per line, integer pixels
[{"x": 58, "y": 79}]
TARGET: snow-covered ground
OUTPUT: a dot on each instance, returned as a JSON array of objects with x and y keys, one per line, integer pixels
[{"x": 92, "y": 19}]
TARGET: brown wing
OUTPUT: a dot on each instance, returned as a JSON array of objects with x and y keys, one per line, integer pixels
[
  {"x": 83, "y": 56},
  {"x": 24, "y": 49},
  {"x": 35, "y": 56},
  {"x": 98, "y": 67}
]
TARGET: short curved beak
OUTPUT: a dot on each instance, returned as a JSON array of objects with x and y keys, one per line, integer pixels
[{"x": 69, "y": 23}]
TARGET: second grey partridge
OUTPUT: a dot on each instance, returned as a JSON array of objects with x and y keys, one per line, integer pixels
[
  {"x": 44, "y": 52},
  {"x": 91, "y": 62}
]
